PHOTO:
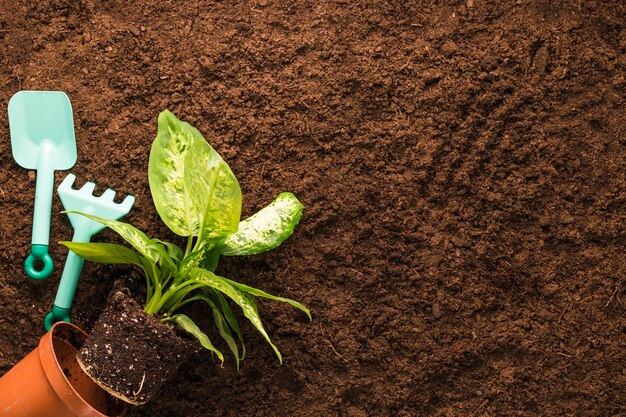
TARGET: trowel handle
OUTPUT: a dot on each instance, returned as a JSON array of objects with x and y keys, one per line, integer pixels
[
  {"x": 41, "y": 224},
  {"x": 67, "y": 286}
]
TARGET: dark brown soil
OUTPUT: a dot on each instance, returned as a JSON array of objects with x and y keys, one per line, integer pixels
[
  {"x": 462, "y": 164},
  {"x": 129, "y": 353}
]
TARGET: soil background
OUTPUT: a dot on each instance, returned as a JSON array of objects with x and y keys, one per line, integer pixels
[{"x": 462, "y": 164}]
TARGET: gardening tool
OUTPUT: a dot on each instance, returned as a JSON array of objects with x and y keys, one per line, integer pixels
[
  {"x": 42, "y": 138},
  {"x": 84, "y": 228}
]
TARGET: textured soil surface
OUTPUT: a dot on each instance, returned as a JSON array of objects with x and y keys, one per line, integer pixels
[{"x": 462, "y": 165}]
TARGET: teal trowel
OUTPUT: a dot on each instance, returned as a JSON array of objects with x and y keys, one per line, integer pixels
[{"x": 42, "y": 138}]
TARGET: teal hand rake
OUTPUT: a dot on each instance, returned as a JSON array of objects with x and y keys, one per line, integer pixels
[
  {"x": 42, "y": 138},
  {"x": 84, "y": 201}
]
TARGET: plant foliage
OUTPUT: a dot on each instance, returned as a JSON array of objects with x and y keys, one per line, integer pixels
[{"x": 198, "y": 197}]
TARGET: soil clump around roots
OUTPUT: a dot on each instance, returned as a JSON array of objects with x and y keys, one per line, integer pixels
[{"x": 129, "y": 353}]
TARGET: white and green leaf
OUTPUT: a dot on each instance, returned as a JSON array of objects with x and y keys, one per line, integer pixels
[
  {"x": 166, "y": 168},
  {"x": 266, "y": 229},
  {"x": 214, "y": 192}
]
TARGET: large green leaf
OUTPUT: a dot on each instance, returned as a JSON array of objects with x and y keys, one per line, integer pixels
[
  {"x": 214, "y": 191},
  {"x": 166, "y": 174},
  {"x": 266, "y": 229},
  {"x": 185, "y": 323},
  {"x": 147, "y": 258},
  {"x": 105, "y": 253},
  {"x": 258, "y": 293},
  {"x": 243, "y": 300},
  {"x": 135, "y": 237}
]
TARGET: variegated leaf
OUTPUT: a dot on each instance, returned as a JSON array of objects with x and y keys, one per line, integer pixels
[
  {"x": 266, "y": 229},
  {"x": 166, "y": 174},
  {"x": 214, "y": 192}
]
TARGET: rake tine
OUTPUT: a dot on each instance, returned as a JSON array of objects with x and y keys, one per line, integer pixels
[
  {"x": 67, "y": 182},
  {"x": 88, "y": 187},
  {"x": 127, "y": 203},
  {"x": 109, "y": 194}
]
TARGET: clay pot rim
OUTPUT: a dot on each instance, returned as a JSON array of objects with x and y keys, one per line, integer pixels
[{"x": 56, "y": 377}]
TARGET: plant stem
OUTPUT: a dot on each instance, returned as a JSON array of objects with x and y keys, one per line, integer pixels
[
  {"x": 177, "y": 294},
  {"x": 153, "y": 305},
  {"x": 189, "y": 245},
  {"x": 199, "y": 240}
]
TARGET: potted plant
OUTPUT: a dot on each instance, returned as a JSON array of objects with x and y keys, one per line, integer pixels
[{"x": 132, "y": 350}]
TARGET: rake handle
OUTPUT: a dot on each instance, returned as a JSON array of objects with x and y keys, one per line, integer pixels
[{"x": 67, "y": 286}]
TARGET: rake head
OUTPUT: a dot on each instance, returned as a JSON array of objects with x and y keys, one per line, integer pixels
[{"x": 83, "y": 200}]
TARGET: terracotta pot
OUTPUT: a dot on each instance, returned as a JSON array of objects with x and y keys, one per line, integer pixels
[{"x": 50, "y": 383}]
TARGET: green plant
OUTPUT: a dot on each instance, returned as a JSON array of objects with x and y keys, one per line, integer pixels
[{"x": 198, "y": 197}]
